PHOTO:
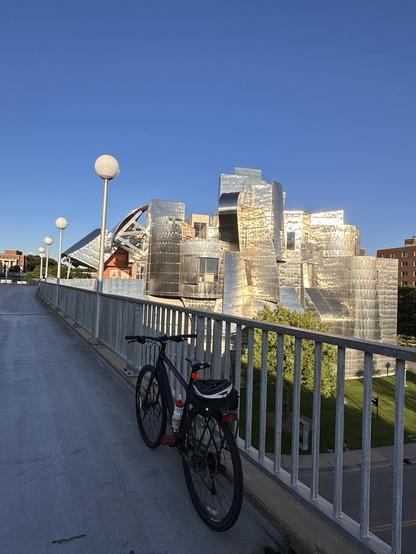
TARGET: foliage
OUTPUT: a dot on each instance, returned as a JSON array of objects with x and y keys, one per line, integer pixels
[
  {"x": 283, "y": 316},
  {"x": 14, "y": 269},
  {"x": 406, "y": 320},
  {"x": 31, "y": 262}
]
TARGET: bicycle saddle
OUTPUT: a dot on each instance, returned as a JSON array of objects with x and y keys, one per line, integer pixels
[{"x": 196, "y": 364}]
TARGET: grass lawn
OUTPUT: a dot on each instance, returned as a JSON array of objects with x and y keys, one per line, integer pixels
[{"x": 382, "y": 430}]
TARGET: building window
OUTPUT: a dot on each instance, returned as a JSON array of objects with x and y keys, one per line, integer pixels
[
  {"x": 290, "y": 240},
  {"x": 249, "y": 277},
  {"x": 391, "y": 255},
  {"x": 404, "y": 283},
  {"x": 405, "y": 254},
  {"x": 404, "y": 264},
  {"x": 404, "y": 273},
  {"x": 208, "y": 269},
  {"x": 200, "y": 230}
]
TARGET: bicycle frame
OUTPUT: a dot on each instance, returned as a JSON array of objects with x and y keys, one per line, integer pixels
[{"x": 163, "y": 378}]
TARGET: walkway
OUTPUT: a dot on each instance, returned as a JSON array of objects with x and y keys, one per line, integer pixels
[{"x": 74, "y": 475}]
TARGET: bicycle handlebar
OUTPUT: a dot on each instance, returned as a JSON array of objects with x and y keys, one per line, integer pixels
[{"x": 162, "y": 339}]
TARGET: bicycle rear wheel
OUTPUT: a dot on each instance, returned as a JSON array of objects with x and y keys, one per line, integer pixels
[
  {"x": 150, "y": 407},
  {"x": 213, "y": 471}
]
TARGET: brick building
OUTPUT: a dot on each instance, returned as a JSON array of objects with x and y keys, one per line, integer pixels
[
  {"x": 10, "y": 258},
  {"x": 406, "y": 256}
]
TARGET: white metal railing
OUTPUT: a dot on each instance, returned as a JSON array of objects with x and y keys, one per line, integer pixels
[
  {"x": 133, "y": 288},
  {"x": 222, "y": 339}
]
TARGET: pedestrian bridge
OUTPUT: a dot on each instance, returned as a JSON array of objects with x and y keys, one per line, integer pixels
[{"x": 75, "y": 475}]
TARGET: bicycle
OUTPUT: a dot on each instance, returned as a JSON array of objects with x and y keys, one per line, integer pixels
[{"x": 203, "y": 436}]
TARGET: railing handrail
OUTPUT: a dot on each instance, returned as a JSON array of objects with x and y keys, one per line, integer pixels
[{"x": 384, "y": 349}]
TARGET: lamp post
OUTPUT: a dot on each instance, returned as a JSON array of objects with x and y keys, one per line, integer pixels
[
  {"x": 48, "y": 241},
  {"x": 61, "y": 223},
  {"x": 42, "y": 253},
  {"x": 106, "y": 167}
]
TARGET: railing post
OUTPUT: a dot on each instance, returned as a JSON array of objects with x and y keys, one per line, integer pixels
[
  {"x": 339, "y": 431},
  {"x": 366, "y": 446},
  {"x": 296, "y": 411},
  {"x": 316, "y": 419},
  {"x": 398, "y": 457}
]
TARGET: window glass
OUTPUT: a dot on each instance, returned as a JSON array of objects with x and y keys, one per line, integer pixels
[
  {"x": 200, "y": 230},
  {"x": 290, "y": 240},
  {"x": 208, "y": 266}
]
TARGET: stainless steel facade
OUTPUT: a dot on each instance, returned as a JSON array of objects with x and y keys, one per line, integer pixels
[
  {"x": 250, "y": 253},
  {"x": 355, "y": 295}
]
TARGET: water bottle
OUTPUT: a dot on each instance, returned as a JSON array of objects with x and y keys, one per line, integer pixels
[{"x": 177, "y": 415}]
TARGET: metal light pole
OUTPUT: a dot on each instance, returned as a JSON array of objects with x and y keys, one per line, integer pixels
[
  {"x": 106, "y": 167},
  {"x": 42, "y": 253},
  {"x": 48, "y": 241},
  {"x": 61, "y": 224}
]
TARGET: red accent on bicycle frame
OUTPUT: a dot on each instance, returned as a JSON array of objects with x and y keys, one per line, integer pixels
[
  {"x": 196, "y": 375},
  {"x": 231, "y": 416},
  {"x": 168, "y": 439}
]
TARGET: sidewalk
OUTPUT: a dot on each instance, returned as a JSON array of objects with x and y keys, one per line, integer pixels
[{"x": 353, "y": 458}]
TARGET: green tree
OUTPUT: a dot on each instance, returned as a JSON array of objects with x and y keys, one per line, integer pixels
[
  {"x": 31, "y": 262},
  {"x": 303, "y": 320},
  {"x": 406, "y": 319}
]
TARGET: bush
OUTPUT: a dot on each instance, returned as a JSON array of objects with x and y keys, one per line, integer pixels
[{"x": 306, "y": 320}]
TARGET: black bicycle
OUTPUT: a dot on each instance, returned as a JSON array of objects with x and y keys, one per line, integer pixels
[{"x": 201, "y": 431}]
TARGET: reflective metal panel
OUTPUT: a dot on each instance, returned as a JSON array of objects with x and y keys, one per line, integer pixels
[
  {"x": 165, "y": 221},
  {"x": 197, "y": 281}
]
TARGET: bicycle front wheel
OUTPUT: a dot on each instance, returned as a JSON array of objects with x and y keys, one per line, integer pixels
[
  {"x": 213, "y": 471},
  {"x": 150, "y": 407}
]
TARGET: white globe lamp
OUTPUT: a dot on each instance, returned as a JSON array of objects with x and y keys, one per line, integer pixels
[
  {"x": 48, "y": 241},
  {"x": 42, "y": 253},
  {"x": 106, "y": 167},
  {"x": 61, "y": 223}
]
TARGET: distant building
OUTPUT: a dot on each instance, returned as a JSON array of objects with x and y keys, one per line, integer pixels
[
  {"x": 11, "y": 258},
  {"x": 406, "y": 256}
]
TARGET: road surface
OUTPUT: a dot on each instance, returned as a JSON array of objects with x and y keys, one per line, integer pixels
[
  {"x": 74, "y": 474},
  {"x": 381, "y": 500}
]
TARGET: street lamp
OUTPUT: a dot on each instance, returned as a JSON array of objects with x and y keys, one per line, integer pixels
[
  {"x": 61, "y": 224},
  {"x": 42, "y": 253},
  {"x": 48, "y": 241},
  {"x": 106, "y": 167}
]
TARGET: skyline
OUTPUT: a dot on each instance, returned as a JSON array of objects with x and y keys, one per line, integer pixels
[{"x": 318, "y": 97}]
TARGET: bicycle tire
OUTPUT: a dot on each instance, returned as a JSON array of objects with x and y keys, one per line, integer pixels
[
  {"x": 148, "y": 384},
  {"x": 232, "y": 480}
]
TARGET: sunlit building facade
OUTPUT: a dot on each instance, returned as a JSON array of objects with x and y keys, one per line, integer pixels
[{"x": 249, "y": 253}]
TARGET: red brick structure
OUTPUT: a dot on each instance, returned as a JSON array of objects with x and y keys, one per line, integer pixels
[
  {"x": 10, "y": 258},
  {"x": 117, "y": 266},
  {"x": 406, "y": 255}
]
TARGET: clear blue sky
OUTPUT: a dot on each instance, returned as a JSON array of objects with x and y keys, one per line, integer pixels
[{"x": 320, "y": 95}]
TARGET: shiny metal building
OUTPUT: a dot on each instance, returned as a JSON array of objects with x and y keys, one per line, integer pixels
[{"x": 250, "y": 252}]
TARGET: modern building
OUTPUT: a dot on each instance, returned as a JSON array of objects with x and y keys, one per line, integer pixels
[
  {"x": 11, "y": 258},
  {"x": 406, "y": 257},
  {"x": 250, "y": 253}
]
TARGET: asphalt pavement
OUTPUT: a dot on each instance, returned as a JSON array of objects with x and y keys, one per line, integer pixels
[
  {"x": 74, "y": 473},
  {"x": 381, "y": 499}
]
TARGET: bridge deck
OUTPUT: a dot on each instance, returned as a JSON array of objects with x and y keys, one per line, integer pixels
[{"x": 74, "y": 475}]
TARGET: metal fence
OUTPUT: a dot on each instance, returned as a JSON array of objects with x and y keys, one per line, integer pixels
[{"x": 241, "y": 350}]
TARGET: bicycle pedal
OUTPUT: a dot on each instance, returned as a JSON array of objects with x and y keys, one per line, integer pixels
[{"x": 168, "y": 439}]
